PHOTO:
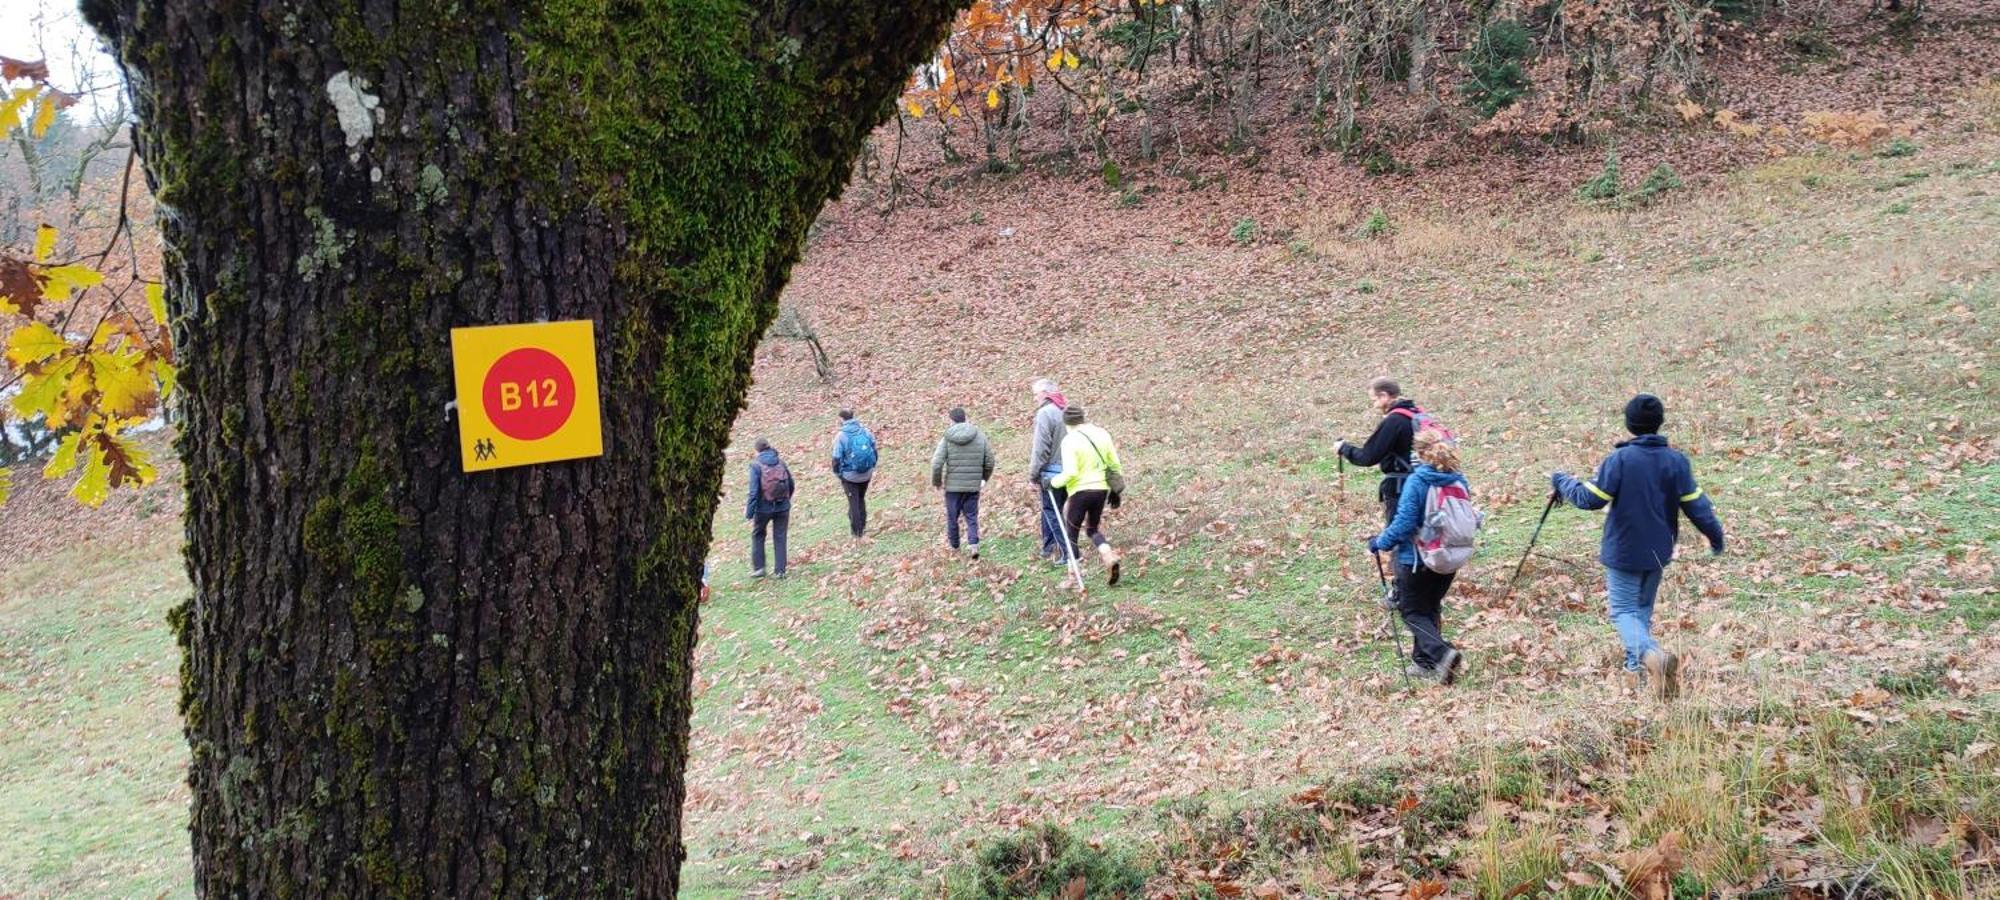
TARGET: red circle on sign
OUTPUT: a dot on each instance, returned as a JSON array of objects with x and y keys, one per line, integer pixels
[{"x": 529, "y": 394}]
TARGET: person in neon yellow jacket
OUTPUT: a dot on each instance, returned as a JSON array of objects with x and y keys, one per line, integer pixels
[{"x": 1089, "y": 469}]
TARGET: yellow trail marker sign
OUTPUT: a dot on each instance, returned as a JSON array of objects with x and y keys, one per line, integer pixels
[{"x": 526, "y": 394}]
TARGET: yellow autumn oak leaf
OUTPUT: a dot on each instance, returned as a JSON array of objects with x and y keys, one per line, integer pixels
[
  {"x": 916, "y": 110},
  {"x": 125, "y": 461},
  {"x": 45, "y": 114},
  {"x": 45, "y": 242},
  {"x": 124, "y": 388},
  {"x": 6, "y": 483},
  {"x": 33, "y": 343},
  {"x": 1069, "y": 59},
  {"x": 65, "y": 459},
  {"x": 94, "y": 485},
  {"x": 41, "y": 394},
  {"x": 10, "y": 108},
  {"x": 156, "y": 301},
  {"x": 992, "y": 98},
  {"x": 168, "y": 376},
  {"x": 65, "y": 280},
  {"x": 74, "y": 402},
  {"x": 1056, "y": 60}
]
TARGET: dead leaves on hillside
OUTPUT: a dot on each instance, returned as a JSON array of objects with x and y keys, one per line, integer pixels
[
  {"x": 1649, "y": 872},
  {"x": 1125, "y": 700}
]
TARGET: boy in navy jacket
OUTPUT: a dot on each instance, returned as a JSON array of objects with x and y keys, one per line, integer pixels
[{"x": 1648, "y": 487}]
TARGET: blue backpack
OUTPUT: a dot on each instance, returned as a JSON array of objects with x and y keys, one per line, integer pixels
[{"x": 861, "y": 451}]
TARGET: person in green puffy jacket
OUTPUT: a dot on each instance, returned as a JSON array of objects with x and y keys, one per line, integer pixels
[{"x": 960, "y": 467}]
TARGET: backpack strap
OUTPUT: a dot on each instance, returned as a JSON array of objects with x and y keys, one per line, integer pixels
[{"x": 1095, "y": 449}]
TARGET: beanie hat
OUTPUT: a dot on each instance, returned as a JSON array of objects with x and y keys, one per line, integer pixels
[
  {"x": 1645, "y": 414},
  {"x": 957, "y": 414},
  {"x": 1073, "y": 415}
]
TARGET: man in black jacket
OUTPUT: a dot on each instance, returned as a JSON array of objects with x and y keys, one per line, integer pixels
[{"x": 1389, "y": 446}]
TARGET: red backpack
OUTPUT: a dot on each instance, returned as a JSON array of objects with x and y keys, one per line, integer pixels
[{"x": 774, "y": 483}]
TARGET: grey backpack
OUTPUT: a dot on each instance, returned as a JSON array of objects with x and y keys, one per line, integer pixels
[{"x": 1451, "y": 524}]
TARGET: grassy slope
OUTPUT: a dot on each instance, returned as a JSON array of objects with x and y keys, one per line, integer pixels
[
  {"x": 91, "y": 795},
  {"x": 1822, "y": 329}
]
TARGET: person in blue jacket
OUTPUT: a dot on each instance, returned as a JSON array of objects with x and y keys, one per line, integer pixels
[
  {"x": 1648, "y": 486},
  {"x": 768, "y": 509},
  {"x": 1420, "y": 592}
]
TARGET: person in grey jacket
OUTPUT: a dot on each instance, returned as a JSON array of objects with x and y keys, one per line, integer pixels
[
  {"x": 1045, "y": 460},
  {"x": 961, "y": 465}
]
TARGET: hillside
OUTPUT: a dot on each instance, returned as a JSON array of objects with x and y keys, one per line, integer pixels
[
  {"x": 894, "y": 720},
  {"x": 1821, "y": 327}
]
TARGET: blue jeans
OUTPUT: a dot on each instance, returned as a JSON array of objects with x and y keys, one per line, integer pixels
[
  {"x": 1631, "y": 594},
  {"x": 1052, "y": 504}
]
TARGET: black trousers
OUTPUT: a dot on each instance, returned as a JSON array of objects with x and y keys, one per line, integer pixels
[
  {"x": 1391, "y": 494},
  {"x": 1420, "y": 598},
  {"x": 857, "y": 505},
  {"x": 961, "y": 505},
  {"x": 1085, "y": 512}
]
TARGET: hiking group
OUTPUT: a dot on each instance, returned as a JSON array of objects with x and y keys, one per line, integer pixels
[
  {"x": 1429, "y": 522},
  {"x": 1073, "y": 464}
]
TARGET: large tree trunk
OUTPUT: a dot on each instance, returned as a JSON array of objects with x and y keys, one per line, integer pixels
[{"x": 400, "y": 679}]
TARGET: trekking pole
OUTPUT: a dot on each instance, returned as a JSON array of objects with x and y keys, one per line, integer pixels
[
  {"x": 1069, "y": 548},
  {"x": 1395, "y": 651},
  {"x": 1553, "y": 497}
]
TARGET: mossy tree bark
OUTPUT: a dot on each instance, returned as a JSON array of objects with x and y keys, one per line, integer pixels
[{"x": 400, "y": 679}]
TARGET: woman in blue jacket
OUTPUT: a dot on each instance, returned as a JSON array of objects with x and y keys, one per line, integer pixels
[{"x": 1420, "y": 591}]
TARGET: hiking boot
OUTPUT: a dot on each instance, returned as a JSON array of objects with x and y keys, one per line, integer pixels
[
  {"x": 975, "y": 552},
  {"x": 1111, "y": 560},
  {"x": 1416, "y": 671},
  {"x": 1663, "y": 669},
  {"x": 780, "y": 575},
  {"x": 1447, "y": 667},
  {"x": 756, "y": 573}
]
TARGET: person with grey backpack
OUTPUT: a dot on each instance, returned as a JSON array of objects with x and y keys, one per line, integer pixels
[{"x": 1432, "y": 535}]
